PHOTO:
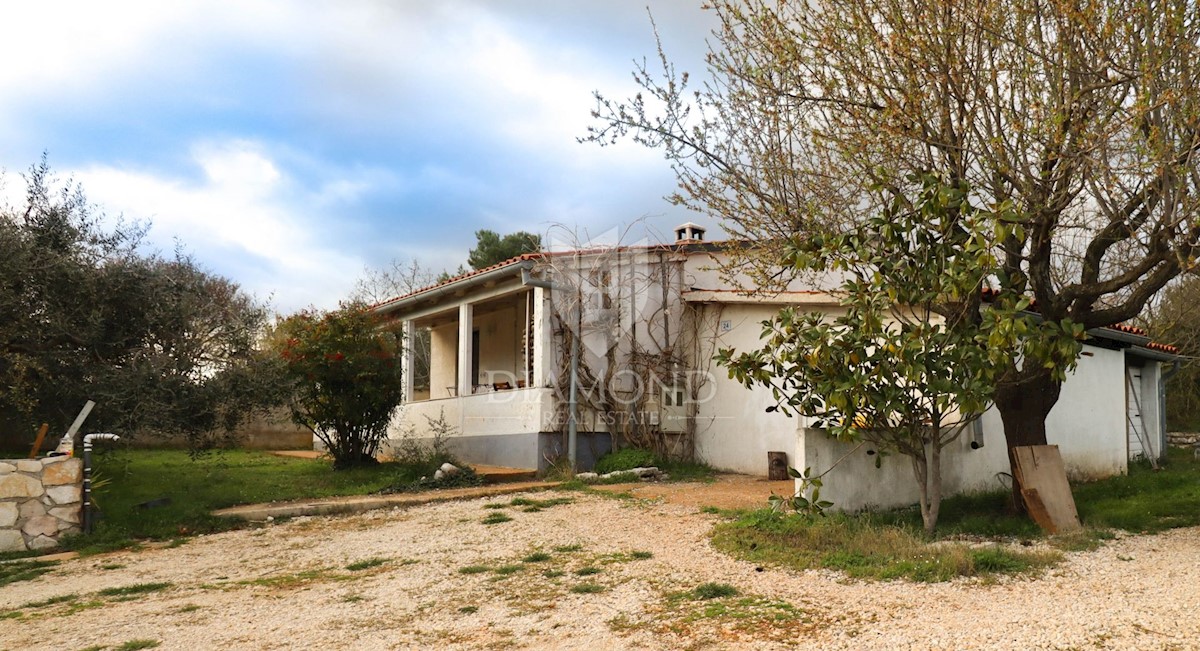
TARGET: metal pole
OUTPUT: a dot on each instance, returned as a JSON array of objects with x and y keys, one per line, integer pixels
[
  {"x": 573, "y": 403},
  {"x": 87, "y": 475}
]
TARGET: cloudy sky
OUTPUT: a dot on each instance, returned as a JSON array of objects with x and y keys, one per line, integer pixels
[{"x": 291, "y": 145}]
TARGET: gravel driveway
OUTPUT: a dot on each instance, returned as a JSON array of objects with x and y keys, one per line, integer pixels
[{"x": 611, "y": 574}]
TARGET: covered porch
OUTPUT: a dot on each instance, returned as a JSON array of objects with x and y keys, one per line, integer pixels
[{"x": 477, "y": 359}]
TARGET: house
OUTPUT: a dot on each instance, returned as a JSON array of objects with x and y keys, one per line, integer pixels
[{"x": 642, "y": 324}]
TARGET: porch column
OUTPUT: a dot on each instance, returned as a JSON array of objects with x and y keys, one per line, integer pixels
[
  {"x": 407, "y": 358},
  {"x": 465, "y": 323},
  {"x": 543, "y": 353}
]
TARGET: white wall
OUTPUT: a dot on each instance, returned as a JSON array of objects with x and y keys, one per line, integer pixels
[
  {"x": 1087, "y": 423},
  {"x": 733, "y": 429},
  {"x": 517, "y": 411}
]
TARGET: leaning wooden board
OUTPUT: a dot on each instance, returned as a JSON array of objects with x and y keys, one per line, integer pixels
[{"x": 1043, "y": 480}]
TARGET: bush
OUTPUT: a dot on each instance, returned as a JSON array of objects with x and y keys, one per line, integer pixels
[
  {"x": 626, "y": 459},
  {"x": 346, "y": 382}
]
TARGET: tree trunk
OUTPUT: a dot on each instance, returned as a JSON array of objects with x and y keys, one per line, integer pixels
[
  {"x": 1024, "y": 400},
  {"x": 935, "y": 487}
]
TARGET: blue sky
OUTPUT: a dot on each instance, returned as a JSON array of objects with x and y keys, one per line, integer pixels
[{"x": 290, "y": 145}]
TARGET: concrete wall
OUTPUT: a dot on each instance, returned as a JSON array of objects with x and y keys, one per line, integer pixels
[
  {"x": 40, "y": 501},
  {"x": 733, "y": 429},
  {"x": 497, "y": 428},
  {"x": 1087, "y": 423}
]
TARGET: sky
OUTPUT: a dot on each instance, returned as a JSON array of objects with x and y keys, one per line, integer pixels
[{"x": 289, "y": 146}]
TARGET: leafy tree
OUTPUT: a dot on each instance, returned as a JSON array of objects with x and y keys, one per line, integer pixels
[
  {"x": 491, "y": 248},
  {"x": 344, "y": 376},
  {"x": 161, "y": 345},
  {"x": 1176, "y": 318},
  {"x": 909, "y": 364},
  {"x": 1080, "y": 116}
]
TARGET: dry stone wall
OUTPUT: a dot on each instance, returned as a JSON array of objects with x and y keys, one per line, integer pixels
[
  {"x": 40, "y": 501},
  {"x": 1183, "y": 439}
]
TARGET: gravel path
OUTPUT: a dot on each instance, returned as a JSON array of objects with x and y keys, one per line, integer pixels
[{"x": 287, "y": 586}]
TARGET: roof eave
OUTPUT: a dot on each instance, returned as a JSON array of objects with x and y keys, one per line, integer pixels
[{"x": 439, "y": 291}]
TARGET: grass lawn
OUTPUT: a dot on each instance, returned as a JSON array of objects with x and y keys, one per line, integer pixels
[
  {"x": 217, "y": 480},
  {"x": 891, "y": 544}
]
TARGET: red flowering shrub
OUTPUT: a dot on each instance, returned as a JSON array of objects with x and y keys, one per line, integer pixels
[{"x": 345, "y": 381}]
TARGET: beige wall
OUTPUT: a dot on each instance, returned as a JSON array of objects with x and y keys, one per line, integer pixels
[{"x": 443, "y": 356}]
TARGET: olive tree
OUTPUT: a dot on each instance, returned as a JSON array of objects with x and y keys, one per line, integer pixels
[
  {"x": 1084, "y": 117},
  {"x": 163, "y": 346}
]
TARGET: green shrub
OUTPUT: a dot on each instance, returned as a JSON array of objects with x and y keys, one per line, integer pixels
[{"x": 626, "y": 459}]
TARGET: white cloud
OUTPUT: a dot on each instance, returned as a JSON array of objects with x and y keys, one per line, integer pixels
[{"x": 244, "y": 218}]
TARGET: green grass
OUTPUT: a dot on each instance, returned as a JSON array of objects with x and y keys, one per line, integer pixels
[
  {"x": 474, "y": 569},
  {"x": 133, "y": 645},
  {"x": 135, "y": 589},
  {"x": 587, "y": 571},
  {"x": 865, "y": 548},
  {"x": 496, "y": 518},
  {"x": 505, "y": 570},
  {"x": 563, "y": 549},
  {"x": 531, "y": 505},
  {"x": 890, "y": 544},
  {"x": 536, "y": 557},
  {"x": 587, "y": 588},
  {"x": 14, "y": 571},
  {"x": 641, "y": 556},
  {"x": 714, "y": 591},
  {"x": 366, "y": 564},
  {"x": 1145, "y": 500},
  {"x": 687, "y": 471},
  {"x": 624, "y": 459},
  {"x": 214, "y": 481}
]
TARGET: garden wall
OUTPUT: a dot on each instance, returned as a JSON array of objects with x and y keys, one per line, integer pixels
[
  {"x": 40, "y": 500},
  {"x": 1183, "y": 439}
]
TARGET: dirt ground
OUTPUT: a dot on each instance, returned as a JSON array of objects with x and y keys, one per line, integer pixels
[
  {"x": 726, "y": 492},
  {"x": 592, "y": 573}
]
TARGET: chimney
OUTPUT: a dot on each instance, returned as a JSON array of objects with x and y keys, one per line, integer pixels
[{"x": 688, "y": 232}]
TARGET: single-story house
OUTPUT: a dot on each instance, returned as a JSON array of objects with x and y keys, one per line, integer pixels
[{"x": 496, "y": 346}]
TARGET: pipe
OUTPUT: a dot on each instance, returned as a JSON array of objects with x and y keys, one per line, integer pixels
[
  {"x": 1162, "y": 406},
  {"x": 528, "y": 280},
  {"x": 87, "y": 475}
]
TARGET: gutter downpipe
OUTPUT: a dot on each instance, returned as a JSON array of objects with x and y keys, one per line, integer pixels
[
  {"x": 528, "y": 280},
  {"x": 1162, "y": 407}
]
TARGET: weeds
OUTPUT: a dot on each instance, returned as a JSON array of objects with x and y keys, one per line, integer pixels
[
  {"x": 706, "y": 591},
  {"x": 14, "y": 571},
  {"x": 366, "y": 564},
  {"x": 496, "y": 518},
  {"x": 587, "y": 588},
  {"x": 135, "y": 589}
]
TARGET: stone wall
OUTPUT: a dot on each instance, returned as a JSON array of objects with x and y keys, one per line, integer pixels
[
  {"x": 40, "y": 500},
  {"x": 1183, "y": 439}
]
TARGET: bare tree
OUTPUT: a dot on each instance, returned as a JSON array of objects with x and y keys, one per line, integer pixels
[
  {"x": 399, "y": 278},
  {"x": 1081, "y": 118}
]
